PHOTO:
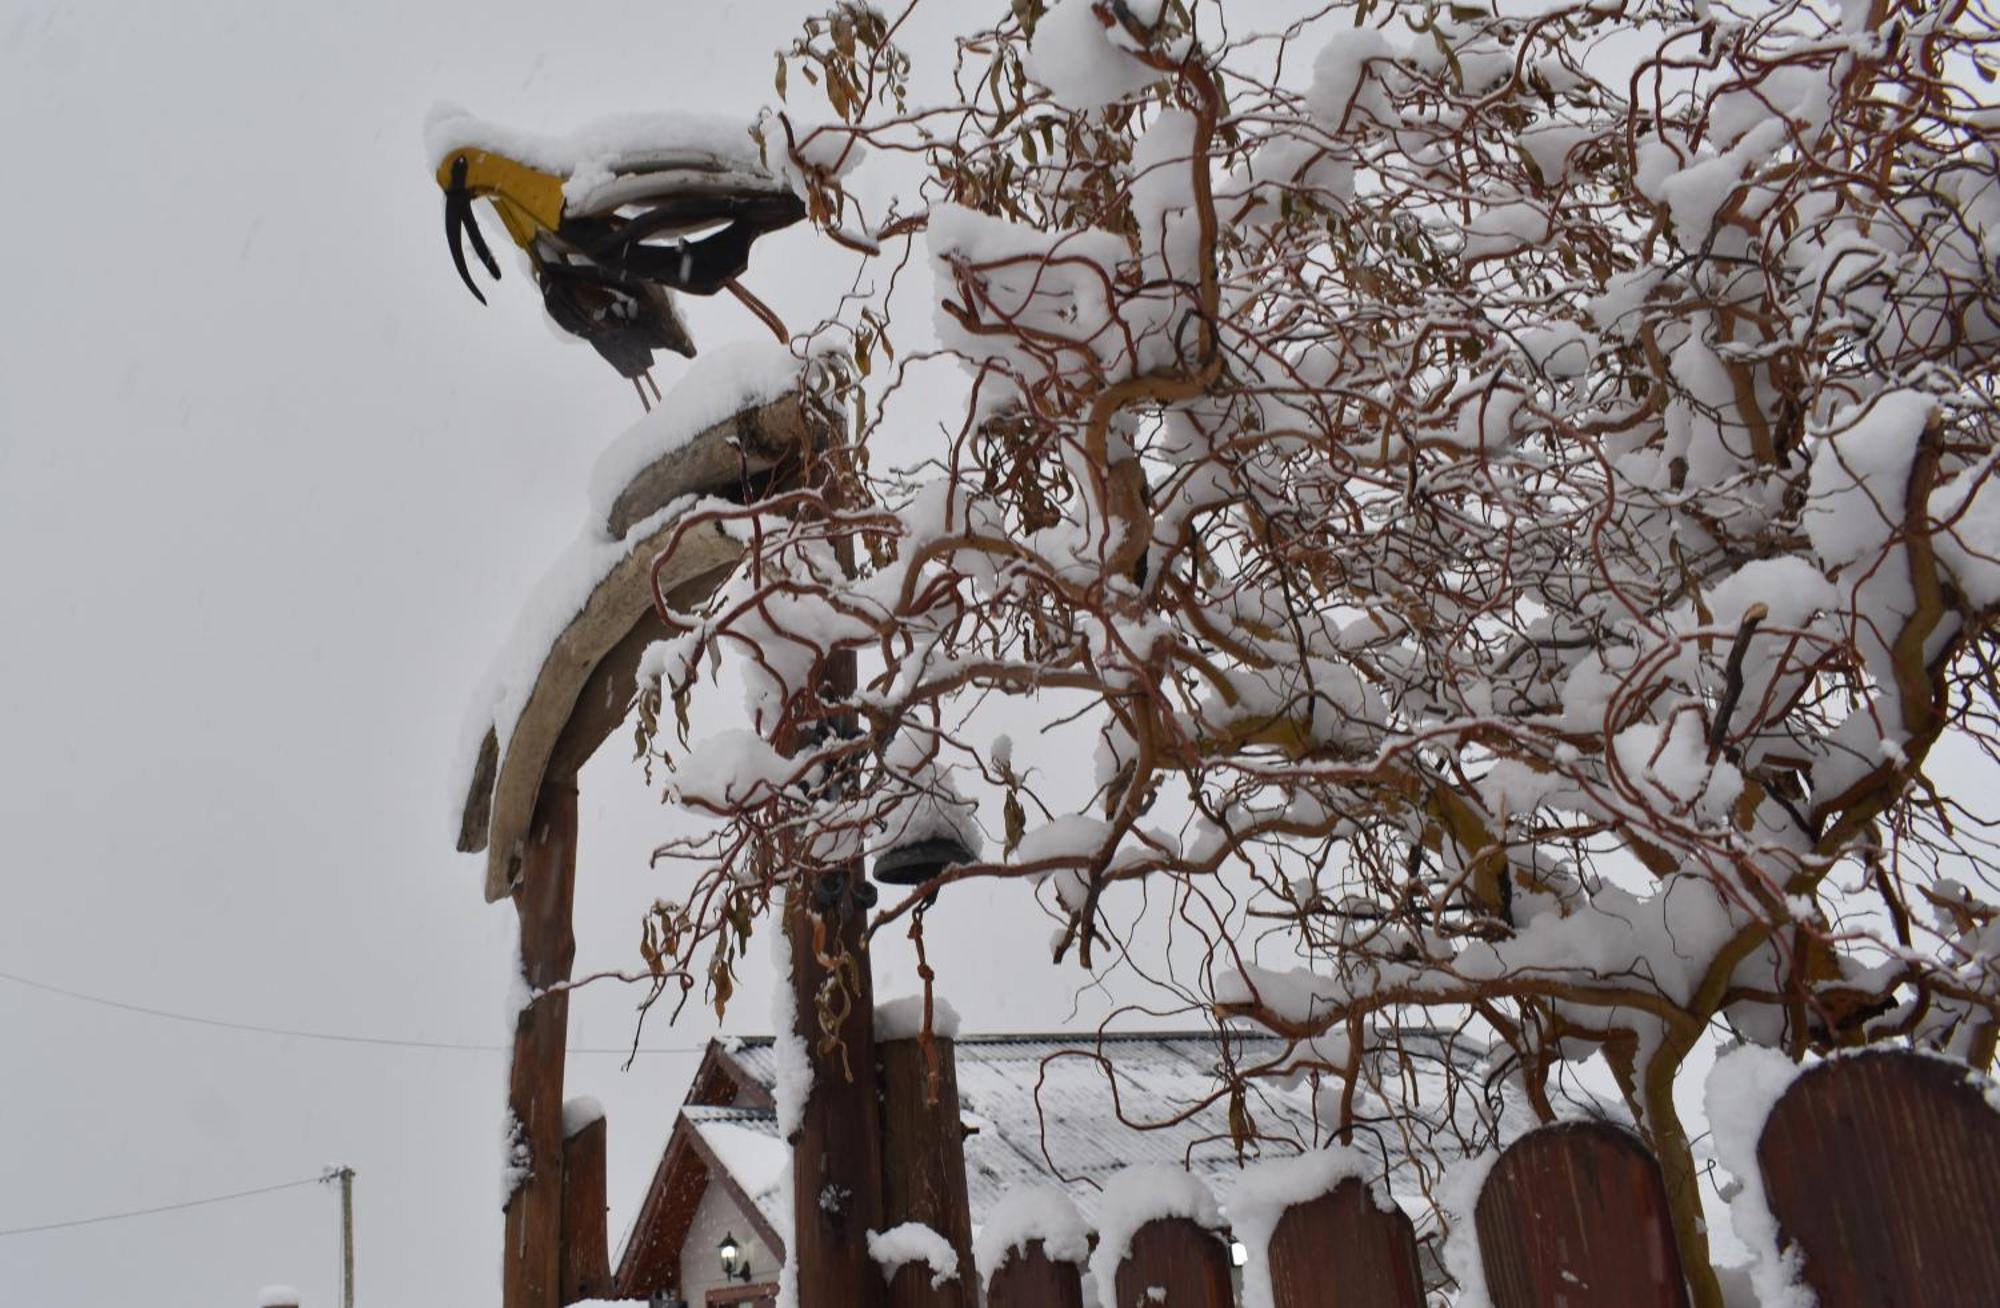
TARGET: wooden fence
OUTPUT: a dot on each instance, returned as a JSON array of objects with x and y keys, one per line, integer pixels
[{"x": 1883, "y": 1169}]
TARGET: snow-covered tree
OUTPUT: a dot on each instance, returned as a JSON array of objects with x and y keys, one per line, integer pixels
[{"x": 1507, "y": 498}]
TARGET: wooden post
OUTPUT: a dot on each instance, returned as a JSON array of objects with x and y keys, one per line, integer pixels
[
  {"x": 586, "y": 1255},
  {"x": 1032, "y": 1279},
  {"x": 347, "y": 1237},
  {"x": 836, "y": 1159},
  {"x": 1374, "y": 1251},
  {"x": 923, "y": 1166},
  {"x": 1184, "y": 1262},
  {"x": 1881, "y": 1169},
  {"x": 542, "y": 901},
  {"x": 1576, "y": 1214}
]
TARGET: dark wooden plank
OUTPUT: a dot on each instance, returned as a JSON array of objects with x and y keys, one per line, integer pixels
[
  {"x": 1029, "y": 1278},
  {"x": 586, "y": 1250},
  {"x": 1186, "y": 1265},
  {"x": 1884, "y": 1168},
  {"x": 837, "y": 1156},
  {"x": 923, "y": 1164},
  {"x": 543, "y": 897},
  {"x": 1374, "y": 1251},
  {"x": 1575, "y": 1216},
  {"x": 911, "y": 1287}
]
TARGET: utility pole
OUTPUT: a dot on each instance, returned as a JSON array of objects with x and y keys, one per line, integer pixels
[{"x": 345, "y": 1175}]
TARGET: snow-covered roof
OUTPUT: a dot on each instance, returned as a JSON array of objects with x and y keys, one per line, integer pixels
[
  {"x": 745, "y": 1141},
  {"x": 1043, "y": 1110}
]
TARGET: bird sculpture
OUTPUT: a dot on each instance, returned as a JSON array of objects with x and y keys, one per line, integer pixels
[{"x": 608, "y": 253}]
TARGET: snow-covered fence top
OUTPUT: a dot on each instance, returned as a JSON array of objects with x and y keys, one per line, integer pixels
[
  {"x": 564, "y": 679},
  {"x": 1864, "y": 1180}
]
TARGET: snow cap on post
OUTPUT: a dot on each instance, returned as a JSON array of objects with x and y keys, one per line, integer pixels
[
  {"x": 579, "y": 1113},
  {"x": 1265, "y": 1191},
  {"x": 913, "y": 1242},
  {"x": 903, "y": 1019},
  {"x": 1026, "y": 1214},
  {"x": 1134, "y": 1197}
]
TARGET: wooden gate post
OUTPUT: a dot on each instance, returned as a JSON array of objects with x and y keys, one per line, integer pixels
[
  {"x": 923, "y": 1165},
  {"x": 836, "y": 1159},
  {"x": 542, "y": 901}
]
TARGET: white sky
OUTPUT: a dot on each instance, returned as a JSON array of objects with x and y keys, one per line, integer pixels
[{"x": 271, "y": 486}]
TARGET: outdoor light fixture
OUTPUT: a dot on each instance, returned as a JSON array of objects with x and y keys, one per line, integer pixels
[
  {"x": 1239, "y": 1253},
  {"x": 919, "y": 860},
  {"x": 735, "y": 1264}
]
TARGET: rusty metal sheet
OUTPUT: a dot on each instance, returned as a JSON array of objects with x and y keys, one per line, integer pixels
[
  {"x": 1884, "y": 1168},
  {"x": 1575, "y": 1216}
]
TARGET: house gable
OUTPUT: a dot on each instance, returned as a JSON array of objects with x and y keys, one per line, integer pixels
[{"x": 650, "y": 1263}]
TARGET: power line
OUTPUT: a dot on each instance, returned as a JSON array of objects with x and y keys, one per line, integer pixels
[
  {"x": 330, "y": 1036},
  {"x": 163, "y": 1208}
]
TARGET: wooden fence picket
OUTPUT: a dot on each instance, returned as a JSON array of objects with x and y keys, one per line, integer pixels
[
  {"x": 1375, "y": 1252},
  {"x": 1029, "y": 1278},
  {"x": 1884, "y": 1168},
  {"x": 1185, "y": 1264},
  {"x": 1575, "y": 1216}
]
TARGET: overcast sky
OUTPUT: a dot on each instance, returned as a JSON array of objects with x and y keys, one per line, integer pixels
[{"x": 271, "y": 487}]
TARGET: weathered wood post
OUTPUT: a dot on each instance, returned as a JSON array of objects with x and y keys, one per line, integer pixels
[
  {"x": 542, "y": 901},
  {"x": 1577, "y": 1214},
  {"x": 1029, "y": 1278},
  {"x": 520, "y": 806},
  {"x": 1034, "y": 1244},
  {"x": 1375, "y": 1252},
  {"x": 923, "y": 1164},
  {"x": 1881, "y": 1170},
  {"x": 1186, "y": 1264},
  {"x": 586, "y": 1255},
  {"x": 836, "y": 1156}
]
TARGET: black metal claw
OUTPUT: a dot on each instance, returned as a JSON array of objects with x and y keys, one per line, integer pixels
[{"x": 458, "y": 218}]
